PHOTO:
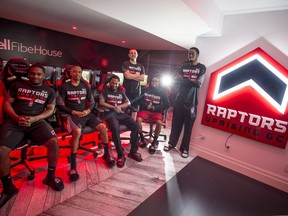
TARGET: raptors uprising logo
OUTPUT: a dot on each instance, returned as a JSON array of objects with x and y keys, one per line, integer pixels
[{"x": 249, "y": 97}]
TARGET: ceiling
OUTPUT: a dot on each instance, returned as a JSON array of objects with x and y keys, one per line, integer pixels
[{"x": 144, "y": 25}]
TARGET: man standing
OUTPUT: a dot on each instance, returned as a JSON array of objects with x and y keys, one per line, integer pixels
[
  {"x": 153, "y": 101},
  {"x": 75, "y": 98},
  {"x": 27, "y": 104},
  {"x": 190, "y": 79},
  {"x": 116, "y": 101},
  {"x": 133, "y": 73}
]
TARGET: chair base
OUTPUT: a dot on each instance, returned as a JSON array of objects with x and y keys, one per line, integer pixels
[
  {"x": 23, "y": 160},
  {"x": 151, "y": 135}
]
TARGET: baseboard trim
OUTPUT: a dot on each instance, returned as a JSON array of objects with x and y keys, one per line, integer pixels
[{"x": 254, "y": 172}]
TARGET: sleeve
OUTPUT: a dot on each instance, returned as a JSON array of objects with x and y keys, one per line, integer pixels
[
  {"x": 90, "y": 99},
  {"x": 164, "y": 103},
  {"x": 124, "y": 66},
  {"x": 61, "y": 100},
  {"x": 51, "y": 96},
  {"x": 142, "y": 102},
  {"x": 12, "y": 91},
  {"x": 200, "y": 78},
  {"x": 125, "y": 98},
  {"x": 142, "y": 70},
  {"x": 102, "y": 96}
]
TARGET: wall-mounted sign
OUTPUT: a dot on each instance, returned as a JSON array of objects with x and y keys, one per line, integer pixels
[
  {"x": 19, "y": 40},
  {"x": 249, "y": 97}
]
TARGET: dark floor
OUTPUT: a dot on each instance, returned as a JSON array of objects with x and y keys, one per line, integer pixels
[{"x": 205, "y": 188}]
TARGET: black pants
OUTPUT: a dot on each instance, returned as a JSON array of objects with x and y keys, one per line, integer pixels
[
  {"x": 114, "y": 120},
  {"x": 182, "y": 115}
]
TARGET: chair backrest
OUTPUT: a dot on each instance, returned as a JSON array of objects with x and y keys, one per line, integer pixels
[
  {"x": 2, "y": 97},
  {"x": 65, "y": 76},
  {"x": 1, "y": 64},
  {"x": 15, "y": 69}
]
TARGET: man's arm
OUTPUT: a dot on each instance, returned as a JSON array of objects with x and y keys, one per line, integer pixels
[
  {"x": 136, "y": 77},
  {"x": 26, "y": 120},
  {"x": 8, "y": 108}
]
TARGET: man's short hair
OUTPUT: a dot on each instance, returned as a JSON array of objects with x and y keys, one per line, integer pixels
[
  {"x": 196, "y": 49},
  {"x": 37, "y": 65},
  {"x": 114, "y": 77}
]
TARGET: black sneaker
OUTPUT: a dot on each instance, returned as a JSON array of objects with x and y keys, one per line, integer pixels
[
  {"x": 121, "y": 161},
  {"x": 109, "y": 160},
  {"x": 152, "y": 149},
  {"x": 143, "y": 144},
  {"x": 135, "y": 156},
  {"x": 56, "y": 183},
  {"x": 5, "y": 197},
  {"x": 73, "y": 175}
]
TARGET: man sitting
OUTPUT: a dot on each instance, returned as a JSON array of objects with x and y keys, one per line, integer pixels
[
  {"x": 75, "y": 98},
  {"x": 116, "y": 100},
  {"x": 27, "y": 104},
  {"x": 153, "y": 101}
]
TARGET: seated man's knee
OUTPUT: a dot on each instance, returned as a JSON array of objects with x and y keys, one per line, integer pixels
[
  {"x": 102, "y": 128},
  {"x": 139, "y": 120},
  {"x": 52, "y": 143},
  {"x": 135, "y": 127},
  {"x": 158, "y": 123},
  {"x": 76, "y": 132},
  {"x": 4, "y": 152}
]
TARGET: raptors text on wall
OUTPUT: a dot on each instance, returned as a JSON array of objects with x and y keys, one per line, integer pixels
[{"x": 248, "y": 97}]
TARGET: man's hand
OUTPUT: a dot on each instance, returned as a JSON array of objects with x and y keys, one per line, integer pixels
[
  {"x": 26, "y": 121},
  {"x": 81, "y": 114},
  {"x": 117, "y": 109},
  {"x": 150, "y": 107}
]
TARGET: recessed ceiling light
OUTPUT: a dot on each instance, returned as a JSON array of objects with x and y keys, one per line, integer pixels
[{"x": 74, "y": 28}]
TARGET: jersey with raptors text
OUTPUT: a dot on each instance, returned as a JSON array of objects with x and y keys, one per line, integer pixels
[
  {"x": 76, "y": 98},
  {"x": 190, "y": 72},
  {"x": 154, "y": 97},
  {"x": 30, "y": 100},
  {"x": 132, "y": 86},
  {"x": 114, "y": 98}
]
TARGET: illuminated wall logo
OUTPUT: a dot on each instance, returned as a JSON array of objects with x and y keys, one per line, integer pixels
[
  {"x": 10, "y": 45},
  {"x": 249, "y": 97}
]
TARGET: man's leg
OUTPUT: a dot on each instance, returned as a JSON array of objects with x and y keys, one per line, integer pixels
[
  {"x": 154, "y": 144},
  {"x": 9, "y": 190},
  {"x": 114, "y": 126},
  {"x": 55, "y": 183},
  {"x": 74, "y": 142},
  {"x": 143, "y": 143},
  {"x": 134, "y": 139},
  {"x": 177, "y": 124},
  {"x": 104, "y": 137},
  {"x": 11, "y": 135},
  {"x": 188, "y": 125}
]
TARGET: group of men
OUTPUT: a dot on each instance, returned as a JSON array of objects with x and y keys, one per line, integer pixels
[{"x": 28, "y": 104}]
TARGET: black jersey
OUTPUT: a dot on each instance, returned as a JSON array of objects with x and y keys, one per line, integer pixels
[
  {"x": 155, "y": 97},
  {"x": 188, "y": 90},
  {"x": 30, "y": 100},
  {"x": 76, "y": 98},
  {"x": 132, "y": 86},
  {"x": 114, "y": 98}
]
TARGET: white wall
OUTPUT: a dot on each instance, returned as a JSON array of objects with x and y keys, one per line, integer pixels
[{"x": 240, "y": 34}]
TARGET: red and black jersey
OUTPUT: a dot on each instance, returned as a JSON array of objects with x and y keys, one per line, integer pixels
[
  {"x": 132, "y": 86},
  {"x": 76, "y": 98},
  {"x": 188, "y": 90},
  {"x": 30, "y": 100},
  {"x": 114, "y": 98},
  {"x": 155, "y": 97}
]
